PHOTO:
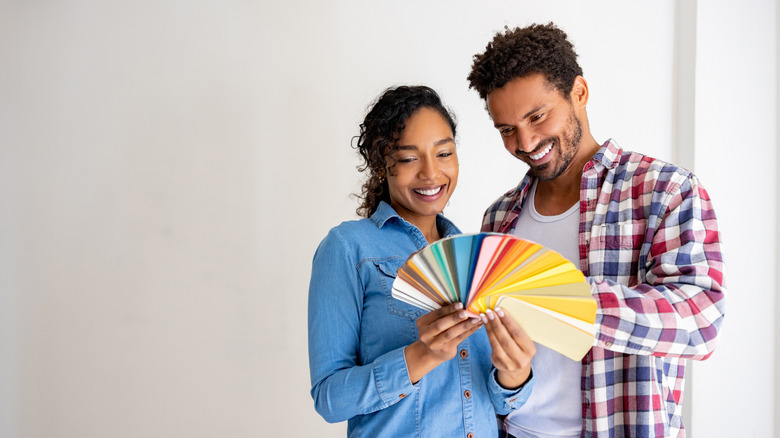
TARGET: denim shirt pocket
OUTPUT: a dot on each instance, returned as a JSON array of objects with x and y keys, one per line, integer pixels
[{"x": 387, "y": 270}]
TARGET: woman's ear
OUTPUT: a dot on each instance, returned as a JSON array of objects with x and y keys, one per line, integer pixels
[{"x": 579, "y": 92}]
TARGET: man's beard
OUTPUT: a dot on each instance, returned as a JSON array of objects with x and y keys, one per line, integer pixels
[{"x": 571, "y": 138}]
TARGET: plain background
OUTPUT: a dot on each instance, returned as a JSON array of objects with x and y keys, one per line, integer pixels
[{"x": 167, "y": 169}]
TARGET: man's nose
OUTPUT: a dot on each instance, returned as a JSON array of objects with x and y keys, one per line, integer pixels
[{"x": 525, "y": 140}]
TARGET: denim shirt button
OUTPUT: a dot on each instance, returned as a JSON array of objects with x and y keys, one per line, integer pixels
[
  {"x": 402, "y": 396},
  {"x": 467, "y": 394},
  {"x": 464, "y": 354},
  {"x": 470, "y": 435}
]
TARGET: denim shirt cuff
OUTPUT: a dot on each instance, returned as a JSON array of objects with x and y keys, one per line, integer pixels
[
  {"x": 507, "y": 400},
  {"x": 392, "y": 377}
]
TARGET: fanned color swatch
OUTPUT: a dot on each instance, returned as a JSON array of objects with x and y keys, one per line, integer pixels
[{"x": 544, "y": 292}]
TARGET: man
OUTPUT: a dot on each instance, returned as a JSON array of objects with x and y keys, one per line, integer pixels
[{"x": 643, "y": 232}]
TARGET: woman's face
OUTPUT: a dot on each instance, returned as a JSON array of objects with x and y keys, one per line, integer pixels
[{"x": 423, "y": 172}]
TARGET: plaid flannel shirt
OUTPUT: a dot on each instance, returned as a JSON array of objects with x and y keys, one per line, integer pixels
[{"x": 650, "y": 247}]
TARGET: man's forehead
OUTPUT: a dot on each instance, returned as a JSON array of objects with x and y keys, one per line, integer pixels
[{"x": 522, "y": 94}]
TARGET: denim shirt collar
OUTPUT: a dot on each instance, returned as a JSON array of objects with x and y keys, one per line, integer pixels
[{"x": 384, "y": 213}]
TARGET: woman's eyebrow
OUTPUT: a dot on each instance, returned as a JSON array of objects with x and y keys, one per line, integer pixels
[
  {"x": 408, "y": 147},
  {"x": 443, "y": 141}
]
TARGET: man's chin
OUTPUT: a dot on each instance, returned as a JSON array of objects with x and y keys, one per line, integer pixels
[{"x": 543, "y": 173}]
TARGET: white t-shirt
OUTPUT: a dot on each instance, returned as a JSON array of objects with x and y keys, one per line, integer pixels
[{"x": 555, "y": 406}]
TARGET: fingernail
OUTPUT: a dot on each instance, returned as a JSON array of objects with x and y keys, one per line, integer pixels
[
  {"x": 491, "y": 316},
  {"x": 500, "y": 312},
  {"x": 475, "y": 321},
  {"x": 462, "y": 315},
  {"x": 459, "y": 306},
  {"x": 483, "y": 318}
]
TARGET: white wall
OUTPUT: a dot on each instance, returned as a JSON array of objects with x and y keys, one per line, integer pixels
[
  {"x": 168, "y": 168},
  {"x": 736, "y": 156}
]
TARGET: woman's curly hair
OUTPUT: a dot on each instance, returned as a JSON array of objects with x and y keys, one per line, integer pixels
[
  {"x": 519, "y": 52},
  {"x": 379, "y": 134}
]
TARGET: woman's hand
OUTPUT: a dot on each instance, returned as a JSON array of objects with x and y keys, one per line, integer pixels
[
  {"x": 513, "y": 349},
  {"x": 441, "y": 331}
]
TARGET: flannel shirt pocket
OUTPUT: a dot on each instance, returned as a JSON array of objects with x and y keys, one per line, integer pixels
[{"x": 615, "y": 250}]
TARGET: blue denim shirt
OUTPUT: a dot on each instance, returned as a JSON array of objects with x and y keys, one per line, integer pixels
[{"x": 357, "y": 336}]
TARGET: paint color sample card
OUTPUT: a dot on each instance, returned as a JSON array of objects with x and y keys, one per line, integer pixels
[{"x": 542, "y": 290}]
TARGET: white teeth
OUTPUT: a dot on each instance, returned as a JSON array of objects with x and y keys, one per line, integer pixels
[
  {"x": 429, "y": 192},
  {"x": 542, "y": 153}
]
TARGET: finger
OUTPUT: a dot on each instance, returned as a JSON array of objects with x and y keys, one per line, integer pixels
[
  {"x": 436, "y": 314},
  {"x": 475, "y": 324},
  {"x": 457, "y": 333},
  {"x": 450, "y": 320},
  {"x": 506, "y": 347},
  {"x": 452, "y": 310},
  {"x": 498, "y": 355},
  {"x": 516, "y": 331},
  {"x": 496, "y": 325},
  {"x": 432, "y": 332}
]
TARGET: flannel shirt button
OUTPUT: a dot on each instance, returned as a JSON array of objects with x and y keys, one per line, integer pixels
[{"x": 608, "y": 344}]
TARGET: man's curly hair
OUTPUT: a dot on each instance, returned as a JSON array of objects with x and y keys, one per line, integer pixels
[
  {"x": 519, "y": 52},
  {"x": 379, "y": 135}
]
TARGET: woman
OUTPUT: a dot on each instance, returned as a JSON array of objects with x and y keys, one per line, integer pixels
[{"x": 384, "y": 365}]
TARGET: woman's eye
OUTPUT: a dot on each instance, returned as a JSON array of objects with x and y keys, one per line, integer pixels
[{"x": 405, "y": 160}]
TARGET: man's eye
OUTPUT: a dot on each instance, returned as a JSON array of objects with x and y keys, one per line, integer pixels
[
  {"x": 445, "y": 154},
  {"x": 506, "y": 132},
  {"x": 536, "y": 117}
]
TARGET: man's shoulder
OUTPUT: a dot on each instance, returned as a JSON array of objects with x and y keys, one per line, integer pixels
[
  {"x": 498, "y": 210},
  {"x": 506, "y": 201},
  {"x": 627, "y": 163},
  {"x": 635, "y": 175},
  {"x": 636, "y": 166}
]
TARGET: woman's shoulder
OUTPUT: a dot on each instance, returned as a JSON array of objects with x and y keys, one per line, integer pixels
[
  {"x": 355, "y": 241},
  {"x": 349, "y": 234},
  {"x": 353, "y": 229}
]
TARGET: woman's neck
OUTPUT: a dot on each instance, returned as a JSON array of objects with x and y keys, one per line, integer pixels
[{"x": 427, "y": 225}]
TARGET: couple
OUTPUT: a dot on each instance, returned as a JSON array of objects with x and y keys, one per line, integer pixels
[{"x": 642, "y": 231}]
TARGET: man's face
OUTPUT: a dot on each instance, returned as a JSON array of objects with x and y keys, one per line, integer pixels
[{"x": 537, "y": 124}]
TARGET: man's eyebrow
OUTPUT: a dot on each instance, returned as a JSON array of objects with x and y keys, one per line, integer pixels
[
  {"x": 525, "y": 116},
  {"x": 535, "y": 109}
]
